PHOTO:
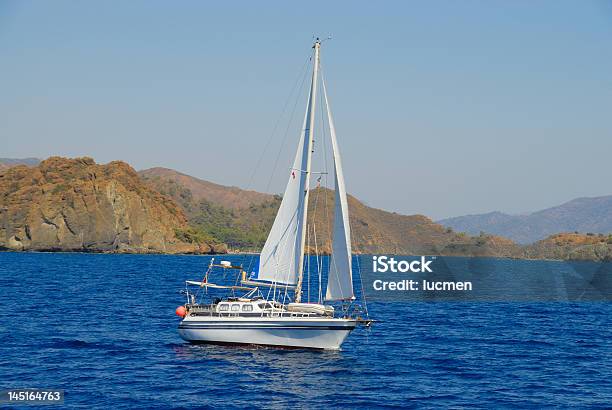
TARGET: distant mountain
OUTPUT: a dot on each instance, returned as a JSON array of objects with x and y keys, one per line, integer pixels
[
  {"x": 586, "y": 215},
  {"x": 378, "y": 231},
  {"x": 6, "y": 163}
]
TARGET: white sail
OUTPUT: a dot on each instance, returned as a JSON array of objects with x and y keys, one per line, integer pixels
[
  {"x": 281, "y": 259},
  {"x": 340, "y": 279}
]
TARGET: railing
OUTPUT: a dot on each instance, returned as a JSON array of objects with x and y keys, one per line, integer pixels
[{"x": 199, "y": 310}]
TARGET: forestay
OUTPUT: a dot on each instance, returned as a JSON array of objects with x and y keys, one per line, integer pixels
[{"x": 340, "y": 280}]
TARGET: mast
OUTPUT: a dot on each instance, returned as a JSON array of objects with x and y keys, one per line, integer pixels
[{"x": 308, "y": 136}]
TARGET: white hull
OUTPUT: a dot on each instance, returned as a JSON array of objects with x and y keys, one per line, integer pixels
[{"x": 315, "y": 333}]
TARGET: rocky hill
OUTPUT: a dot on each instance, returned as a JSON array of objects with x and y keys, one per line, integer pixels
[
  {"x": 572, "y": 246},
  {"x": 245, "y": 224},
  {"x": 169, "y": 180},
  {"x": 78, "y": 205},
  {"x": 377, "y": 231},
  {"x": 579, "y": 215},
  {"x": 245, "y": 227}
]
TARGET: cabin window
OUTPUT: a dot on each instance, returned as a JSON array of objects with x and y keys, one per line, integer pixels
[
  {"x": 235, "y": 308},
  {"x": 224, "y": 307},
  {"x": 247, "y": 308},
  {"x": 265, "y": 306}
]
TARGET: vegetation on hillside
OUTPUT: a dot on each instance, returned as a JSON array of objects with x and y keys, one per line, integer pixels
[
  {"x": 245, "y": 228},
  {"x": 575, "y": 246}
]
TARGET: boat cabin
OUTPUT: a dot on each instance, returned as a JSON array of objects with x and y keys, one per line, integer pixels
[{"x": 258, "y": 307}]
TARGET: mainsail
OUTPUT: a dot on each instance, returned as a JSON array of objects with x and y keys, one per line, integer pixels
[
  {"x": 281, "y": 260},
  {"x": 340, "y": 279}
]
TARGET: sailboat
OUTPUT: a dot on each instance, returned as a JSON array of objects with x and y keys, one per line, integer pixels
[{"x": 268, "y": 307}]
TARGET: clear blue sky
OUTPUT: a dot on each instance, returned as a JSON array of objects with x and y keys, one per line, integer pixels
[{"x": 442, "y": 107}]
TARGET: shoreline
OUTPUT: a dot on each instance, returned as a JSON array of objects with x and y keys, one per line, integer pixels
[{"x": 235, "y": 253}]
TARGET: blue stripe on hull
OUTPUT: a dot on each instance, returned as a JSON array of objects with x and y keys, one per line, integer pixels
[{"x": 228, "y": 326}]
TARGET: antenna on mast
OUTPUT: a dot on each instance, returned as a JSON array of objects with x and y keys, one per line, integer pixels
[{"x": 317, "y": 40}]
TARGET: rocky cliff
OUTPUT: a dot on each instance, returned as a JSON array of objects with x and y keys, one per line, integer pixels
[{"x": 78, "y": 205}]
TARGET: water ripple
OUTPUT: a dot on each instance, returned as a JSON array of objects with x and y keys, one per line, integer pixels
[{"x": 102, "y": 328}]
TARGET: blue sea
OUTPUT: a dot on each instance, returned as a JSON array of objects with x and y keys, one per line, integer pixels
[{"x": 103, "y": 329}]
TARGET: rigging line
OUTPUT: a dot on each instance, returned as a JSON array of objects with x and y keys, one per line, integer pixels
[
  {"x": 284, "y": 246},
  {"x": 325, "y": 154},
  {"x": 278, "y": 156},
  {"x": 249, "y": 269},
  {"x": 302, "y": 74},
  {"x": 284, "y": 249},
  {"x": 238, "y": 278},
  {"x": 278, "y": 121},
  {"x": 287, "y": 281},
  {"x": 318, "y": 268},
  {"x": 332, "y": 259},
  {"x": 327, "y": 220},
  {"x": 208, "y": 268},
  {"x": 287, "y": 129},
  {"x": 314, "y": 215},
  {"x": 308, "y": 266},
  {"x": 268, "y": 294},
  {"x": 272, "y": 287},
  {"x": 300, "y": 88},
  {"x": 289, "y": 272},
  {"x": 325, "y": 206},
  {"x": 363, "y": 295}
]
